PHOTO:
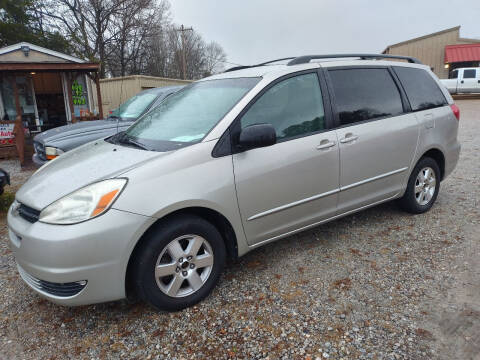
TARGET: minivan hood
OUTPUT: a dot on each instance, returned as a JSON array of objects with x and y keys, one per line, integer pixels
[
  {"x": 75, "y": 169},
  {"x": 49, "y": 137}
]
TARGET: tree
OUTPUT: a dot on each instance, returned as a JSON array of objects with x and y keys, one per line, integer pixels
[
  {"x": 130, "y": 37},
  {"x": 20, "y": 21},
  {"x": 137, "y": 21},
  {"x": 86, "y": 23},
  {"x": 165, "y": 55},
  {"x": 215, "y": 58}
]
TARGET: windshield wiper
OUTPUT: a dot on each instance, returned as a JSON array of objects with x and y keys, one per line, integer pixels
[{"x": 124, "y": 139}]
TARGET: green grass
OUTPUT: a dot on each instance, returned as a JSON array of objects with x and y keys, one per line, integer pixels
[{"x": 6, "y": 200}]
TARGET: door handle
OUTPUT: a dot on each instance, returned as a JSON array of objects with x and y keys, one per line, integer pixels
[
  {"x": 349, "y": 138},
  {"x": 462, "y": 82},
  {"x": 325, "y": 144}
]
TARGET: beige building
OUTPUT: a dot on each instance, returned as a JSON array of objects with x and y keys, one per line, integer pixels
[
  {"x": 116, "y": 90},
  {"x": 442, "y": 51}
]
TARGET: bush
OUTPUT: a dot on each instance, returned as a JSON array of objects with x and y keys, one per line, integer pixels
[{"x": 6, "y": 200}]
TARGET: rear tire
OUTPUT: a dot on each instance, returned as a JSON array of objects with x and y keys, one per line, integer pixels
[
  {"x": 422, "y": 188},
  {"x": 178, "y": 263}
]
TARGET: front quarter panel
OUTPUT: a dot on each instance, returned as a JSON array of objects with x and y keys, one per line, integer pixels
[{"x": 189, "y": 177}]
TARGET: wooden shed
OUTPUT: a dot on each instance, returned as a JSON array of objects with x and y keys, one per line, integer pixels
[{"x": 42, "y": 89}]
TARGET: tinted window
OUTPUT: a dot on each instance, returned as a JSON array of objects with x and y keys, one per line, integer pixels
[
  {"x": 363, "y": 94},
  {"x": 293, "y": 107},
  {"x": 453, "y": 74},
  {"x": 469, "y": 74},
  {"x": 422, "y": 90}
]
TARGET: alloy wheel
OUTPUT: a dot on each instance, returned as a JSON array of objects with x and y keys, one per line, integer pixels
[
  {"x": 184, "y": 265},
  {"x": 425, "y": 186}
]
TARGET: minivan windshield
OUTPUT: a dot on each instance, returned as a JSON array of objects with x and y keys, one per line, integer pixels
[
  {"x": 134, "y": 107},
  {"x": 187, "y": 116}
]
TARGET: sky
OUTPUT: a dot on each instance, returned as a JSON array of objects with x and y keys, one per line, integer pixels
[{"x": 252, "y": 31}]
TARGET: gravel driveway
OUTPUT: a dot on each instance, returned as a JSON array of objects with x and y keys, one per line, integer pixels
[{"x": 380, "y": 284}]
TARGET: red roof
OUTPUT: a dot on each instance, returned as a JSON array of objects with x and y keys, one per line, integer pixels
[{"x": 460, "y": 53}]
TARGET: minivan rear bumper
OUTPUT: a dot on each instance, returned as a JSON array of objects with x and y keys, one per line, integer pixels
[
  {"x": 451, "y": 158},
  {"x": 77, "y": 264}
]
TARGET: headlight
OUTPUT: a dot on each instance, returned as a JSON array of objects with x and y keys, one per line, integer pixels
[
  {"x": 84, "y": 204},
  {"x": 52, "y": 152}
]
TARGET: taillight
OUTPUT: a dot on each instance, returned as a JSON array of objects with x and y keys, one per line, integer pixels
[{"x": 456, "y": 111}]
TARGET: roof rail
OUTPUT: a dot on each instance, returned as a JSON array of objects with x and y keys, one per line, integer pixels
[
  {"x": 307, "y": 58},
  {"x": 240, "y": 67}
]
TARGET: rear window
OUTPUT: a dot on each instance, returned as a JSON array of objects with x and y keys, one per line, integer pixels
[
  {"x": 422, "y": 90},
  {"x": 469, "y": 74},
  {"x": 364, "y": 94}
]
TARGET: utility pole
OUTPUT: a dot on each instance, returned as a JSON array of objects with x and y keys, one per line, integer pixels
[{"x": 182, "y": 31}]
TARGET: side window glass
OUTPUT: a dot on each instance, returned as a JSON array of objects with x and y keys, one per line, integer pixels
[
  {"x": 469, "y": 74},
  {"x": 364, "y": 94},
  {"x": 453, "y": 74},
  {"x": 421, "y": 88},
  {"x": 293, "y": 107}
]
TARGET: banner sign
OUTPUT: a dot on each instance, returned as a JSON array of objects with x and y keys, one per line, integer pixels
[
  {"x": 80, "y": 96},
  {"x": 6, "y": 134}
]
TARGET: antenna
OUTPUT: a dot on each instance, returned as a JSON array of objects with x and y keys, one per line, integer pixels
[{"x": 120, "y": 102}]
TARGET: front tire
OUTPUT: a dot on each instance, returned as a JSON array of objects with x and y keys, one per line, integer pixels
[
  {"x": 422, "y": 188},
  {"x": 178, "y": 263}
]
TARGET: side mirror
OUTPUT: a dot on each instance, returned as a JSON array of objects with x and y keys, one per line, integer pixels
[{"x": 256, "y": 136}]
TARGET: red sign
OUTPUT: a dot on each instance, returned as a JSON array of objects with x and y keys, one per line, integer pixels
[
  {"x": 6, "y": 131},
  {"x": 6, "y": 134}
]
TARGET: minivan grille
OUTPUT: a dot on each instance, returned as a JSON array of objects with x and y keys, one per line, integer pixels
[
  {"x": 56, "y": 289},
  {"x": 28, "y": 213}
]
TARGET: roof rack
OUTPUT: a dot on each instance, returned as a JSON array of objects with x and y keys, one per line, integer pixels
[
  {"x": 240, "y": 67},
  {"x": 307, "y": 58}
]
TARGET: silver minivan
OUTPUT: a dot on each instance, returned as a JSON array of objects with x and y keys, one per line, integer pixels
[{"x": 225, "y": 165}]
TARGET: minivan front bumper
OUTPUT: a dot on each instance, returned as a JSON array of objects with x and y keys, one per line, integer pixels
[{"x": 77, "y": 264}]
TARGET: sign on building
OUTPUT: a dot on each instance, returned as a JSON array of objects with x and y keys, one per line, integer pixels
[{"x": 6, "y": 134}]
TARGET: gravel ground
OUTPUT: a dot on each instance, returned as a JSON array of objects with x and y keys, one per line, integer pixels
[
  {"x": 17, "y": 175},
  {"x": 380, "y": 284}
]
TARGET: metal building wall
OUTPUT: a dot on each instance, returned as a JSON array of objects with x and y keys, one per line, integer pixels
[
  {"x": 116, "y": 90},
  {"x": 430, "y": 49}
]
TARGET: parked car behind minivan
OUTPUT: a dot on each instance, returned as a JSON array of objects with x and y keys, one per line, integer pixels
[
  {"x": 225, "y": 165},
  {"x": 54, "y": 142}
]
